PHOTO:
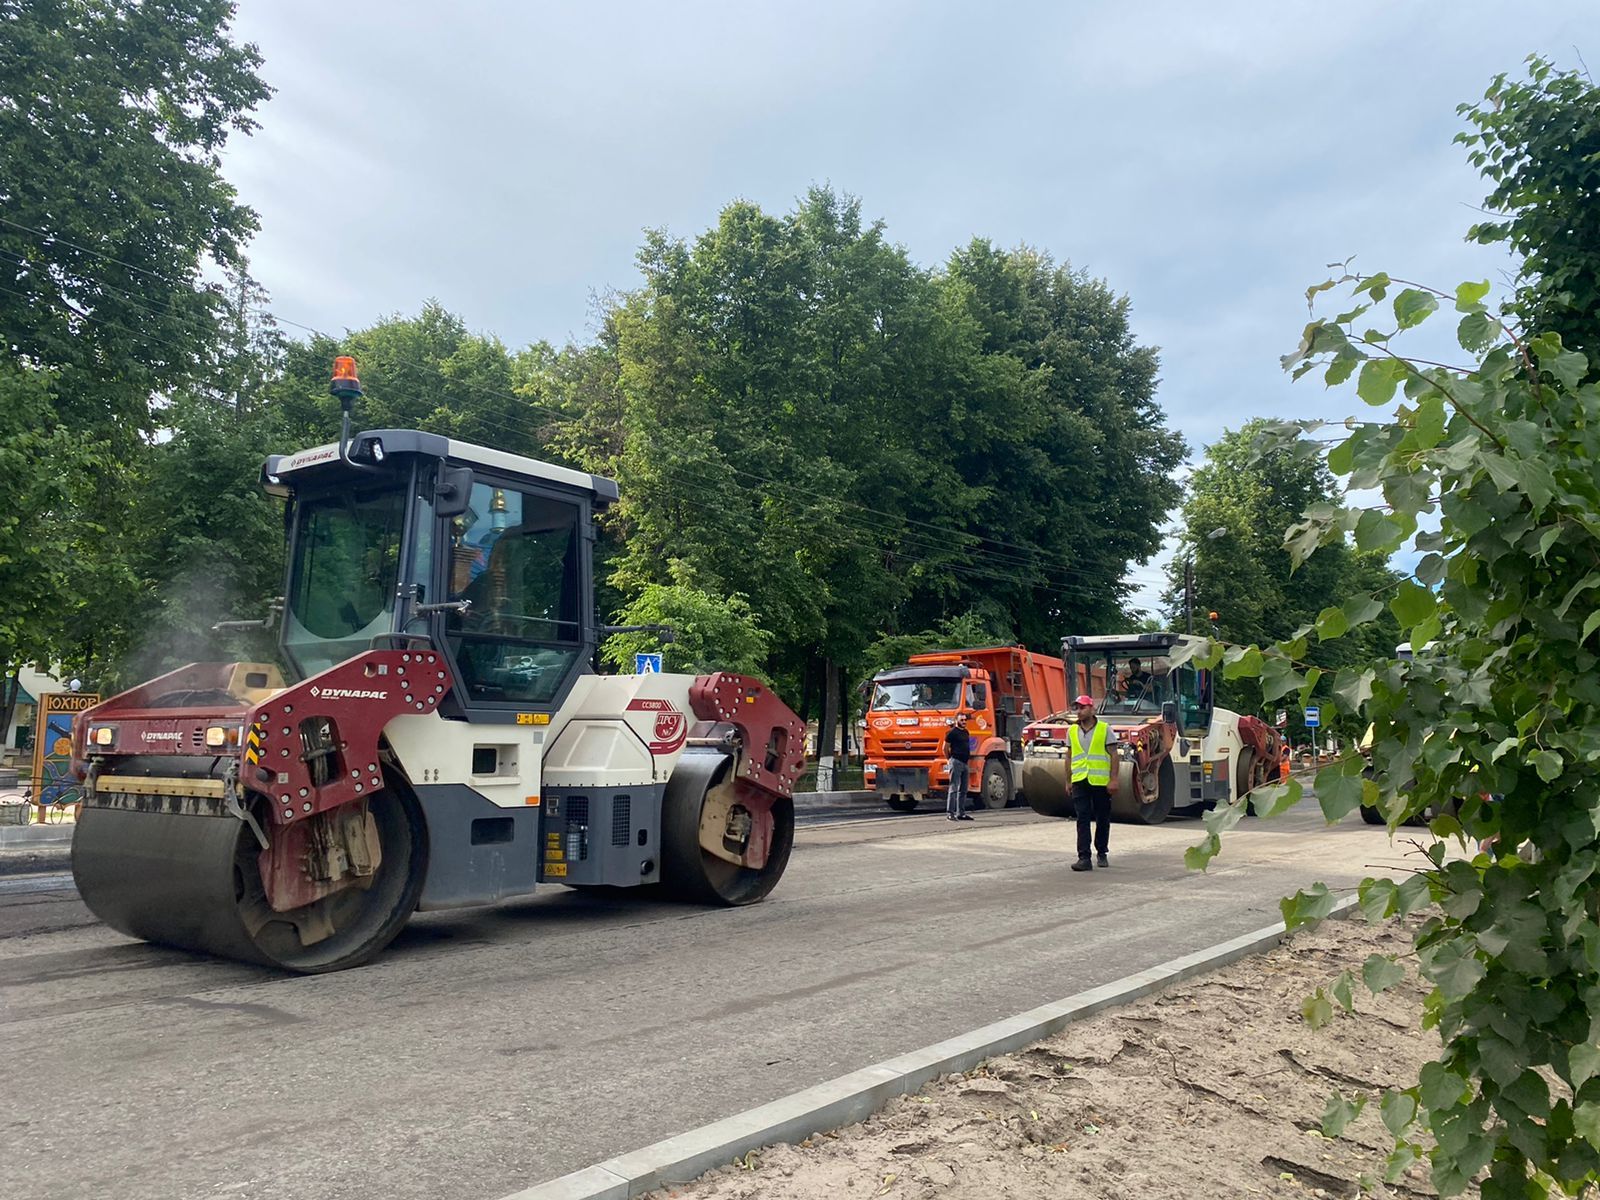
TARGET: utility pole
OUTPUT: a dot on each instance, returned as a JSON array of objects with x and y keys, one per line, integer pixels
[{"x": 1188, "y": 591}]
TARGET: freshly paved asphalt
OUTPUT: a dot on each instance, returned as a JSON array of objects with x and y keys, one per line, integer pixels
[{"x": 493, "y": 1048}]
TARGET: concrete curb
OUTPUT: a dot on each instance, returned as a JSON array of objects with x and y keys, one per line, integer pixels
[
  {"x": 25, "y": 837},
  {"x": 853, "y": 1097}
]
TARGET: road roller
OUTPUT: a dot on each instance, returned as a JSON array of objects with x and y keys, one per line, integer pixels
[
  {"x": 433, "y": 734},
  {"x": 1179, "y": 751}
]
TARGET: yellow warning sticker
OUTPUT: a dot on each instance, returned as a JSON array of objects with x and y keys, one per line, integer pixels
[
  {"x": 554, "y": 856},
  {"x": 556, "y": 870},
  {"x": 533, "y": 718}
]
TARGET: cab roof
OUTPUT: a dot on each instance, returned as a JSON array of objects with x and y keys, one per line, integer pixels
[{"x": 304, "y": 463}]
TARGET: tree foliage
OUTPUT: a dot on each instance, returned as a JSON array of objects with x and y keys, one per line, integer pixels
[
  {"x": 1492, "y": 730},
  {"x": 1240, "y": 500},
  {"x": 1538, "y": 141}
]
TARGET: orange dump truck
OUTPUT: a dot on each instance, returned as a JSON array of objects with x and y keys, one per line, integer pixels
[{"x": 1000, "y": 689}]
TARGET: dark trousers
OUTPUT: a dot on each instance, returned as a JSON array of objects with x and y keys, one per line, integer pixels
[{"x": 1093, "y": 804}]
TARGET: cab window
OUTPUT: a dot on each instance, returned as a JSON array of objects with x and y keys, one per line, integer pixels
[{"x": 516, "y": 557}]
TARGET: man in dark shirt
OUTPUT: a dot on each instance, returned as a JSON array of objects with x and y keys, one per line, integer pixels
[{"x": 958, "y": 750}]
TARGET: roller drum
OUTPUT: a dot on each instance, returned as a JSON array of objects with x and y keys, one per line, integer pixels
[
  {"x": 194, "y": 882},
  {"x": 165, "y": 877},
  {"x": 688, "y": 870},
  {"x": 1044, "y": 783}
]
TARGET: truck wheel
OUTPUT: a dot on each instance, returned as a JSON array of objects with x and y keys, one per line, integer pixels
[
  {"x": 998, "y": 791},
  {"x": 902, "y": 803}
]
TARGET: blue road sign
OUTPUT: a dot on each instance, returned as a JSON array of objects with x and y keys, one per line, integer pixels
[
  {"x": 1313, "y": 716},
  {"x": 647, "y": 664}
]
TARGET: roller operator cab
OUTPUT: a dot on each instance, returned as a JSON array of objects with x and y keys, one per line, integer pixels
[
  {"x": 1179, "y": 751},
  {"x": 436, "y": 736}
]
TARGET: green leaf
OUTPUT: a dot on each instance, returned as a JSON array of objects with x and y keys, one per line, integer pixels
[
  {"x": 1358, "y": 610},
  {"x": 1316, "y": 1010},
  {"x": 1412, "y": 895},
  {"x": 1373, "y": 285},
  {"x": 1339, "y": 1112},
  {"x": 1304, "y": 908},
  {"x": 1586, "y": 1122},
  {"x": 1380, "y": 973},
  {"x": 1548, "y": 763},
  {"x": 1398, "y": 1109},
  {"x": 1377, "y": 898},
  {"x": 1341, "y": 991},
  {"x": 1339, "y": 794},
  {"x": 1195, "y": 858},
  {"x": 1566, "y": 365},
  {"x": 1455, "y": 970},
  {"x": 1470, "y": 295},
  {"x": 1590, "y": 625},
  {"x": 1412, "y": 603},
  {"x": 1332, "y": 623},
  {"x": 1477, "y": 332},
  {"x": 1499, "y": 1059},
  {"x": 1224, "y": 816},
  {"x": 1441, "y": 1088},
  {"x": 1427, "y": 427},
  {"x": 1397, "y": 1162},
  {"x": 1378, "y": 381},
  {"x": 1413, "y": 306},
  {"x": 1245, "y": 665},
  {"x": 1276, "y": 798},
  {"x": 1278, "y": 678},
  {"x": 1377, "y": 531},
  {"x": 1313, "y": 677},
  {"x": 1353, "y": 688},
  {"x": 1583, "y": 1064}
]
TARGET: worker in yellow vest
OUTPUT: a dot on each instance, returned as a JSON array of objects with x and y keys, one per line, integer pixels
[{"x": 1094, "y": 781}]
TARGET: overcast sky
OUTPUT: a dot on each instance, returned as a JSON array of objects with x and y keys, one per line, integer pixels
[{"x": 1208, "y": 160}]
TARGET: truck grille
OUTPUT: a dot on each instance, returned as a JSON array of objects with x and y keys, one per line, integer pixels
[{"x": 912, "y": 750}]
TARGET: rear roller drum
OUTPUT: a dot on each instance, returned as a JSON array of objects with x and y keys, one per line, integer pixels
[
  {"x": 702, "y": 784},
  {"x": 1129, "y": 804},
  {"x": 194, "y": 882}
]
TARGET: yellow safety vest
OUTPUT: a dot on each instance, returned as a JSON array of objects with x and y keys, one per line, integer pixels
[{"x": 1093, "y": 765}]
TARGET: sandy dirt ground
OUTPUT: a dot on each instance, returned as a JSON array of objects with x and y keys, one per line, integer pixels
[{"x": 1212, "y": 1088}]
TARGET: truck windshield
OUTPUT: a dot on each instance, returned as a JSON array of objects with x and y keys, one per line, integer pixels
[
  {"x": 342, "y": 579},
  {"x": 916, "y": 693}
]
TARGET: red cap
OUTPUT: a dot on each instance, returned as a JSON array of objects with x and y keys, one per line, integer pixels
[{"x": 1082, "y": 700}]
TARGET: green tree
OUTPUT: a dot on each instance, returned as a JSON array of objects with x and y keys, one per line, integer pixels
[
  {"x": 1538, "y": 141},
  {"x": 1492, "y": 730},
  {"x": 112, "y": 116},
  {"x": 1062, "y": 439},
  {"x": 1240, "y": 500},
  {"x": 709, "y": 632},
  {"x": 113, "y": 213}
]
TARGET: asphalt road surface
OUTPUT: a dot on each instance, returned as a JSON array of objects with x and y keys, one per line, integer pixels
[{"x": 490, "y": 1049}]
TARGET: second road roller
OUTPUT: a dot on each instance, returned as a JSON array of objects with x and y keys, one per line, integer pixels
[{"x": 436, "y": 735}]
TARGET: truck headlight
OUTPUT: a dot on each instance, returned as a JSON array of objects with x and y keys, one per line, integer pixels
[
  {"x": 103, "y": 735},
  {"x": 222, "y": 735}
]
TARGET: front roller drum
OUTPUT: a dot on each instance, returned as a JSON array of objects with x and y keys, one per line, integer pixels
[
  {"x": 702, "y": 785},
  {"x": 1044, "y": 783},
  {"x": 194, "y": 882}
]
